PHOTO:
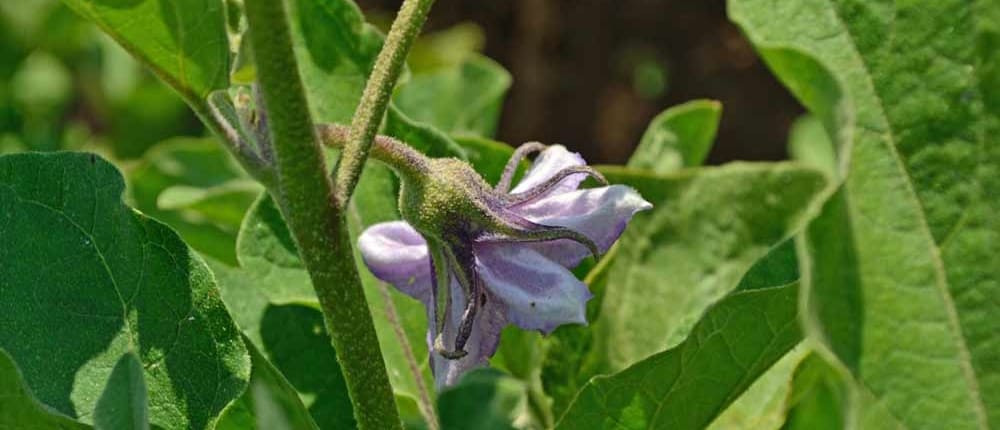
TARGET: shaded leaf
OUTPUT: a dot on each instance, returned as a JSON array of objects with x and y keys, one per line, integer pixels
[
  {"x": 113, "y": 282},
  {"x": 123, "y": 405},
  {"x": 686, "y": 387},
  {"x": 272, "y": 300},
  {"x": 679, "y": 137},
  {"x": 817, "y": 399},
  {"x": 270, "y": 402},
  {"x": 902, "y": 262},
  {"x": 762, "y": 405},
  {"x": 497, "y": 400},
  {"x": 19, "y": 409},
  {"x": 183, "y": 41}
]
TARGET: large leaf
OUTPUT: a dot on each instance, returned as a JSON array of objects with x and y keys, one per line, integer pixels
[
  {"x": 86, "y": 280},
  {"x": 736, "y": 340},
  {"x": 19, "y": 409},
  {"x": 679, "y": 137},
  {"x": 707, "y": 227},
  {"x": 903, "y": 268},
  {"x": 183, "y": 41}
]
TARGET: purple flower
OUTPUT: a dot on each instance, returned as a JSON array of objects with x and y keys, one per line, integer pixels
[{"x": 481, "y": 257}]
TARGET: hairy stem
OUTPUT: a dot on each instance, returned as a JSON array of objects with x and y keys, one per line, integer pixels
[
  {"x": 375, "y": 98},
  {"x": 305, "y": 196},
  {"x": 406, "y": 161}
]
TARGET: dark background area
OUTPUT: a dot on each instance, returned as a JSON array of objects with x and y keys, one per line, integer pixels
[{"x": 590, "y": 74}]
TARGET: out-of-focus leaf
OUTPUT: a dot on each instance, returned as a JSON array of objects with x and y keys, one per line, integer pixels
[
  {"x": 194, "y": 186},
  {"x": 421, "y": 136},
  {"x": 902, "y": 261},
  {"x": 809, "y": 143},
  {"x": 445, "y": 48},
  {"x": 483, "y": 399},
  {"x": 183, "y": 41},
  {"x": 686, "y": 387},
  {"x": 19, "y": 409},
  {"x": 679, "y": 137},
  {"x": 707, "y": 227},
  {"x": 464, "y": 99},
  {"x": 270, "y": 402},
  {"x": 817, "y": 398},
  {"x": 86, "y": 280},
  {"x": 123, "y": 405}
]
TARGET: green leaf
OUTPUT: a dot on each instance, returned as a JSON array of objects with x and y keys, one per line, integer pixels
[
  {"x": 113, "y": 283},
  {"x": 123, "y": 405},
  {"x": 272, "y": 300},
  {"x": 817, "y": 397},
  {"x": 496, "y": 399},
  {"x": 487, "y": 156},
  {"x": 809, "y": 143},
  {"x": 183, "y": 41},
  {"x": 464, "y": 99},
  {"x": 762, "y": 405},
  {"x": 194, "y": 186},
  {"x": 707, "y": 227},
  {"x": 685, "y": 387},
  {"x": 270, "y": 402},
  {"x": 335, "y": 50},
  {"x": 902, "y": 263},
  {"x": 19, "y": 409},
  {"x": 679, "y": 137}
]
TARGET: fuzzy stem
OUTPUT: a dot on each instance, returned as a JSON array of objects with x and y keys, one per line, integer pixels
[
  {"x": 403, "y": 159},
  {"x": 375, "y": 98},
  {"x": 304, "y": 194}
]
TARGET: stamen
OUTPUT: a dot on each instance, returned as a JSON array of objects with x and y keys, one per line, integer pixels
[
  {"x": 515, "y": 160},
  {"x": 544, "y": 187}
]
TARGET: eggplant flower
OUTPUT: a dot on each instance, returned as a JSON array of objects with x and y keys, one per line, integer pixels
[{"x": 482, "y": 257}]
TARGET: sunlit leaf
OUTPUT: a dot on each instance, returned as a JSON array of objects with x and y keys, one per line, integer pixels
[
  {"x": 902, "y": 262},
  {"x": 679, "y": 137},
  {"x": 707, "y": 227},
  {"x": 86, "y": 280},
  {"x": 464, "y": 99},
  {"x": 685, "y": 387},
  {"x": 183, "y": 41}
]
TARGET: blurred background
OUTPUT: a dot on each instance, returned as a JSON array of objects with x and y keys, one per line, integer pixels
[{"x": 589, "y": 74}]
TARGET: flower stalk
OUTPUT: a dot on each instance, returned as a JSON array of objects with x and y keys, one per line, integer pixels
[{"x": 375, "y": 99}]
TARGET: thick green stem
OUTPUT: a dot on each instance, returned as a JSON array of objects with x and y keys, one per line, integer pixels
[
  {"x": 375, "y": 98},
  {"x": 305, "y": 195}
]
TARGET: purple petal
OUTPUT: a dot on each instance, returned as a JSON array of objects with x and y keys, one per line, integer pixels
[
  {"x": 601, "y": 214},
  {"x": 482, "y": 344},
  {"x": 397, "y": 254},
  {"x": 552, "y": 160},
  {"x": 539, "y": 293}
]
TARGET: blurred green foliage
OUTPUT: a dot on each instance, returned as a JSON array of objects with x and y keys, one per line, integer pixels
[{"x": 66, "y": 85}]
